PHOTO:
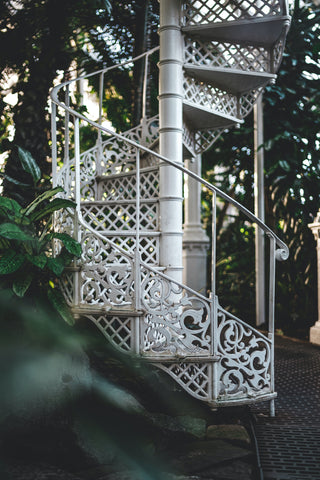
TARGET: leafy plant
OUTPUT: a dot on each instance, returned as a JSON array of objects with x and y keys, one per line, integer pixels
[{"x": 28, "y": 263}]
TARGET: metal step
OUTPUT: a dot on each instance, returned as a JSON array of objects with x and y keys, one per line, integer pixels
[
  {"x": 201, "y": 118},
  {"x": 230, "y": 80},
  {"x": 262, "y": 31}
]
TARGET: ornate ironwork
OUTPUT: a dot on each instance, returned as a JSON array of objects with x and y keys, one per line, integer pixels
[{"x": 245, "y": 366}]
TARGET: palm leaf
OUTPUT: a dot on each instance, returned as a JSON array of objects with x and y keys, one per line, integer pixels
[{"x": 29, "y": 164}]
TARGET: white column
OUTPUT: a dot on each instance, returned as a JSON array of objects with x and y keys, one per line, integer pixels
[
  {"x": 170, "y": 136},
  {"x": 195, "y": 240},
  {"x": 315, "y": 330},
  {"x": 259, "y": 211}
]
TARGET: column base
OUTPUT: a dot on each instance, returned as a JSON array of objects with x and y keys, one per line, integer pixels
[
  {"x": 315, "y": 333},
  {"x": 194, "y": 255}
]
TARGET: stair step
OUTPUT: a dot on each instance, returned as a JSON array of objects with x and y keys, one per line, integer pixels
[
  {"x": 201, "y": 118},
  {"x": 106, "y": 310},
  {"x": 230, "y": 80},
  {"x": 262, "y": 31}
]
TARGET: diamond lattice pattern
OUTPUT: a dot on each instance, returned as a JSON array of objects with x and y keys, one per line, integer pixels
[{"x": 207, "y": 11}]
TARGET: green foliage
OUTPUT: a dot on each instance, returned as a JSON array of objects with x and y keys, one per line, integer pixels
[
  {"x": 27, "y": 262},
  {"x": 292, "y": 173},
  {"x": 71, "y": 402}
]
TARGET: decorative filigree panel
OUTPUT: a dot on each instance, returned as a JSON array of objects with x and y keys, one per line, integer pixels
[
  {"x": 107, "y": 274},
  {"x": 149, "y": 246},
  {"x": 226, "y": 55},
  {"x": 66, "y": 179},
  {"x": 118, "y": 330},
  {"x": 176, "y": 322},
  {"x": 88, "y": 162},
  {"x": 117, "y": 156},
  {"x": 245, "y": 367},
  {"x": 193, "y": 377},
  {"x": 210, "y": 97},
  {"x": 145, "y": 133},
  {"x": 203, "y": 12}
]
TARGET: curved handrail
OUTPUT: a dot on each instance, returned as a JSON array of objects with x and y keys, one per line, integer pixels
[{"x": 282, "y": 253}]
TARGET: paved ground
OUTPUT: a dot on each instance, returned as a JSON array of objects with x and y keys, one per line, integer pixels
[{"x": 289, "y": 444}]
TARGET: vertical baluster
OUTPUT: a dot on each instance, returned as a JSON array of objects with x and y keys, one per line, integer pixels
[
  {"x": 54, "y": 143},
  {"x": 145, "y": 79},
  {"x": 66, "y": 126},
  {"x": 77, "y": 200},
  {"x": 214, "y": 316},
  {"x": 137, "y": 273},
  {"x": 213, "y": 247},
  {"x": 101, "y": 88},
  {"x": 272, "y": 280}
]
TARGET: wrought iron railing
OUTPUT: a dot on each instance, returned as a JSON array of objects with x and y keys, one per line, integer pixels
[{"x": 180, "y": 325}]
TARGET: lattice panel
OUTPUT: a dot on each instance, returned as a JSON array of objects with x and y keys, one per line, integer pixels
[
  {"x": 245, "y": 367},
  {"x": 149, "y": 247},
  {"x": 210, "y": 97},
  {"x": 118, "y": 330},
  {"x": 119, "y": 187},
  {"x": 149, "y": 184},
  {"x": 193, "y": 377},
  {"x": 188, "y": 137},
  {"x": 204, "y": 139},
  {"x": 107, "y": 274},
  {"x": 66, "y": 284},
  {"x": 278, "y": 53},
  {"x": 204, "y": 11},
  {"x": 247, "y": 101},
  {"x": 121, "y": 217},
  {"x": 176, "y": 322},
  {"x": 227, "y": 55}
]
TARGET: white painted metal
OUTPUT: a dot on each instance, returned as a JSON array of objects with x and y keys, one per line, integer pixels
[
  {"x": 170, "y": 136},
  {"x": 259, "y": 211},
  {"x": 127, "y": 281},
  {"x": 195, "y": 240},
  {"x": 315, "y": 228}
]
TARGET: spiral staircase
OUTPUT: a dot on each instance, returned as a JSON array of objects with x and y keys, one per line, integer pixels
[{"x": 227, "y": 52}]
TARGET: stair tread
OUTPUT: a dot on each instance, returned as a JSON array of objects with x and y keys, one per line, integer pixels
[
  {"x": 228, "y": 79},
  {"x": 262, "y": 31},
  {"x": 201, "y": 118}
]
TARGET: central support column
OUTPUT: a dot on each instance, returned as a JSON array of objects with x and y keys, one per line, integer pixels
[
  {"x": 170, "y": 136},
  {"x": 195, "y": 240}
]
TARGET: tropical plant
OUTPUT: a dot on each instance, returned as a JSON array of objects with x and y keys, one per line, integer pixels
[{"x": 30, "y": 263}]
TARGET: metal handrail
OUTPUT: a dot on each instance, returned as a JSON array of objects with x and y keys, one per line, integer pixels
[{"x": 281, "y": 254}]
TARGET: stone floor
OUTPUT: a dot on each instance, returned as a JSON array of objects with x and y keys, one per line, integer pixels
[{"x": 289, "y": 444}]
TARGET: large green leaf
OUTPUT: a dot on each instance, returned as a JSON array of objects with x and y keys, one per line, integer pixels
[
  {"x": 22, "y": 283},
  {"x": 70, "y": 243},
  {"x": 56, "y": 265},
  {"x": 10, "y": 261},
  {"x": 57, "y": 300},
  {"x": 39, "y": 261},
  {"x": 29, "y": 164},
  {"x": 16, "y": 182},
  {"x": 43, "y": 197},
  {"x": 14, "y": 232},
  {"x": 8, "y": 205},
  {"x": 53, "y": 206}
]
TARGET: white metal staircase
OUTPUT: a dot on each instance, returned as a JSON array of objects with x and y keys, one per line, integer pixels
[{"x": 229, "y": 51}]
